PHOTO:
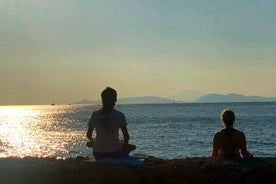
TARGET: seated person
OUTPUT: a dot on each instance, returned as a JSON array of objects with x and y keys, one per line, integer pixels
[
  {"x": 229, "y": 142},
  {"x": 107, "y": 122}
]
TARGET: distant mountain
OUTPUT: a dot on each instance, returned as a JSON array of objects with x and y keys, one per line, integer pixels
[
  {"x": 144, "y": 100},
  {"x": 234, "y": 98},
  {"x": 187, "y": 96},
  {"x": 132, "y": 100},
  {"x": 203, "y": 99}
]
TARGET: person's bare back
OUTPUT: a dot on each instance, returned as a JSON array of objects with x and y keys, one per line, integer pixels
[{"x": 229, "y": 142}]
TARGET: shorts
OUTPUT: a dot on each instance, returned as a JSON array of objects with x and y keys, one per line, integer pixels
[
  {"x": 101, "y": 155},
  {"x": 126, "y": 149}
]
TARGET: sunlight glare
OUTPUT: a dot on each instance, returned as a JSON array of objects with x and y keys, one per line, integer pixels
[{"x": 21, "y": 134}]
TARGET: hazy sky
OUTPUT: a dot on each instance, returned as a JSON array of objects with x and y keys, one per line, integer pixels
[{"x": 66, "y": 50}]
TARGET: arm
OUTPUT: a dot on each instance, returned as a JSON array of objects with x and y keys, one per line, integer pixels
[
  {"x": 125, "y": 134},
  {"x": 244, "y": 151},
  {"x": 91, "y": 125},
  {"x": 215, "y": 146},
  {"x": 89, "y": 134}
]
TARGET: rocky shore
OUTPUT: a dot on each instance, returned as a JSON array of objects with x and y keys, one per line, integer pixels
[{"x": 154, "y": 170}]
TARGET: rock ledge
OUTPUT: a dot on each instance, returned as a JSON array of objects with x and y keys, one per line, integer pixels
[{"x": 154, "y": 170}]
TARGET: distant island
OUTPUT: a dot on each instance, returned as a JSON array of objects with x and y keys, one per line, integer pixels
[
  {"x": 234, "y": 98},
  {"x": 209, "y": 98},
  {"x": 133, "y": 100}
]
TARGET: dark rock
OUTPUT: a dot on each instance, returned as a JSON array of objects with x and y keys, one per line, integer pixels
[{"x": 154, "y": 170}]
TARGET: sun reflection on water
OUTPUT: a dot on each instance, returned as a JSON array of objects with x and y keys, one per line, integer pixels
[{"x": 33, "y": 132}]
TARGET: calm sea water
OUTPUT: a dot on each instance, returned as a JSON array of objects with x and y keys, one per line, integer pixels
[{"x": 163, "y": 130}]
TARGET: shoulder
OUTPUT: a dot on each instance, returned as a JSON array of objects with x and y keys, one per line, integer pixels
[
  {"x": 221, "y": 132},
  {"x": 240, "y": 133},
  {"x": 97, "y": 112},
  {"x": 217, "y": 137},
  {"x": 117, "y": 113},
  {"x": 94, "y": 118},
  {"x": 119, "y": 116},
  {"x": 218, "y": 134}
]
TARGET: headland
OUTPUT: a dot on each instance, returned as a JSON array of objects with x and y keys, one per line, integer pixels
[{"x": 154, "y": 170}]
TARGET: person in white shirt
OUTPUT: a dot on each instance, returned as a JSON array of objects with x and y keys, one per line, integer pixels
[{"x": 107, "y": 122}]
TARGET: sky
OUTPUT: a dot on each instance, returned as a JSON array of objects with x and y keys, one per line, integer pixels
[{"x": 63, "y": 51}]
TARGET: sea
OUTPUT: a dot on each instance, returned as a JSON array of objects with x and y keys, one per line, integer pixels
[{"x": 177, "y": 130}]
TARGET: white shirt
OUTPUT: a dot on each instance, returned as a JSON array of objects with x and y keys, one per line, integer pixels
[{"x": 107, "y": 130}]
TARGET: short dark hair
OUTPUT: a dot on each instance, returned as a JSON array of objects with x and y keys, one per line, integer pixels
[{"x": 228, "y": 116}]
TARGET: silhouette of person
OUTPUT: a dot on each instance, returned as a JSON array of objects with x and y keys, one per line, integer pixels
[
  {"x": 107, "y": 122},
  {"x": 229, "y": 142}
]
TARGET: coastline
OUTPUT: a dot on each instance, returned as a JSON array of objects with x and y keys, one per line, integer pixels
[{"x": 154, "y": 170}]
